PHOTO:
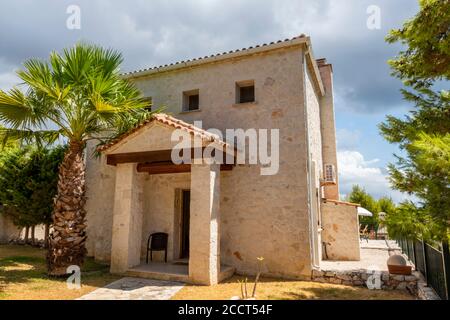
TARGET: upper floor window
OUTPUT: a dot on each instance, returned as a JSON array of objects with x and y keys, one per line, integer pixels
[
  {"x": 245, "y": 91},
  {"x": 191, "y": 100}
]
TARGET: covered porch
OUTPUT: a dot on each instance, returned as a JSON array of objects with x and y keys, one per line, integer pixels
[{"x": 148, "y": 182}]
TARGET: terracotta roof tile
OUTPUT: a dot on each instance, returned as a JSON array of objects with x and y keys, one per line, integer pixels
[
  {"x": 211, "y": 56},
  {"x": 170, "y": 121}
]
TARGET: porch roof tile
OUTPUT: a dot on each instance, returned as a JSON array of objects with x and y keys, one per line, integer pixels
[{"x": 172, "y": 122}]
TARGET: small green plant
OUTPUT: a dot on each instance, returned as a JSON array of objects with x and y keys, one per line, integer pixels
[{"x": 244, "y": 292}]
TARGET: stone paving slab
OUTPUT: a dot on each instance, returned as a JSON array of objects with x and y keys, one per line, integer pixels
[
  {"x": 135, "y": 289},
  {"x": 379, "y": 244},
  {"x": 374, "y": 255}
]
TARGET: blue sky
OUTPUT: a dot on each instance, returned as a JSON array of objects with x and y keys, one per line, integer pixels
[{"x": 157, "y": 32}]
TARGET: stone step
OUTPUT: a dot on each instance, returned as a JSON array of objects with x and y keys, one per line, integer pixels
[{"x": 158, "y": 273}]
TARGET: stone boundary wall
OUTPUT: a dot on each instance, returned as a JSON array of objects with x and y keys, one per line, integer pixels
[
  {"x": 8, "y": 231},
  {"x": 359, "y": 278},
  {"x": 340, "y": 231}
]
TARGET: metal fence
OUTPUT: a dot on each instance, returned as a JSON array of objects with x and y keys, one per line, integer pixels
[{"x": 433, "y": 261}]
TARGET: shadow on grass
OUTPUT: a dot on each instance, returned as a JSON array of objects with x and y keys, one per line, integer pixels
[
  {"x": 325, "y": 294},
  {"x": 283, "y": 289},
  {"x": 347, "y": 294},
  {"x": 31, "y": 271},
  {"x": 19, "y": 270}
]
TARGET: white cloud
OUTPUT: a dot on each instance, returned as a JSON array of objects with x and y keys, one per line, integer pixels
[
  {"x": 150, "y": 33},
  {"x": 8, "y": 80},
  {"x": 354, "y": 169}
]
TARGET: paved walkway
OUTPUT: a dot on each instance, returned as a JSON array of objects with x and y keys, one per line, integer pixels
[
  {"x": 374, "y": 255},
  {"x": 379, "y": 244},
  {"x": 135, "y": 289}
]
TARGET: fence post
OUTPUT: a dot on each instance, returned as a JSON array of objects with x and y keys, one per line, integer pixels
[
  {"x": 425, "y": 262},
  {"x": 446, "y": 261},
  {"x": 406, "y": 247}
]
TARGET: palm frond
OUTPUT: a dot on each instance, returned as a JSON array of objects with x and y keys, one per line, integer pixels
[
  {"x": 17, "y": 110},
  {"x": 39, "y": 137},
  {"x": 80, "y": 91}
]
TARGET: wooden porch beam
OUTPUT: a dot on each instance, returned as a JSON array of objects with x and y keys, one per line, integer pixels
[
  {"x": 147, "y": 156},
  {"x": 133, "y": 157},
  {"x": 169, "y": 167}
]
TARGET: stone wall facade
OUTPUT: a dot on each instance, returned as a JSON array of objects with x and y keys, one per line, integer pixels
[
  {"x": 315, "y": 163},
  {"x": 8, "y": 231},
  {"x": 340, "y": 230},
  {"x": 267, "y": 216},
  {"x": 100, "y": 193}
]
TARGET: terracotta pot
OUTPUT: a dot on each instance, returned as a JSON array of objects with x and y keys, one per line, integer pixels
[{"x": 403, "y": 270}]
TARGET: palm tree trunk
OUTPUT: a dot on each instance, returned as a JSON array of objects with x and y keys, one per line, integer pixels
[
  {"x": 47, "y": 232},
  {"x": 68, "y": 236}
]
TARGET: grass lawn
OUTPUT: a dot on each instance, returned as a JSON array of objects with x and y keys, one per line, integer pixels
[
  {"x": 23, "y": 276},
  {"x": 275, "y": 289}
]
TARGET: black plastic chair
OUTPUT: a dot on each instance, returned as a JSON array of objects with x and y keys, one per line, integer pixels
[{"x": 157, "y": 242}]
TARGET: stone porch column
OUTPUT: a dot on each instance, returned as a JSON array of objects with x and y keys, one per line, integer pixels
[
  {"x": 204, "y": 239},
  {"x": 127, "y": 219}
]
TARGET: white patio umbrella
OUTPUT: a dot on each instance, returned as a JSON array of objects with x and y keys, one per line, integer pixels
[{"x": 364, "y": 212}]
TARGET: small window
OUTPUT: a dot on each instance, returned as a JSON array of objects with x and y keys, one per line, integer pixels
[
  {"x": 245, "y": 92},
  {"x": 191, "y": 100},
  {"x": 149, "y": 102}
]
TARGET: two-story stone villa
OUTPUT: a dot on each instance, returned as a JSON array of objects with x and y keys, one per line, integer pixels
[{"x": 219, "y": 219}]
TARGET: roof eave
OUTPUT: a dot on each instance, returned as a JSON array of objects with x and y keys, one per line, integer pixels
[
  {"x": 313, "y": 63},
  {"x": 297, "y": 41},
  {"x": 301, "y": 40}
]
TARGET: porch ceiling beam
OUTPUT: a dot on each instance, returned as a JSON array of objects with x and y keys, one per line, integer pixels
[
  {"x": 146, "y": 156},
  {"x": 136, "y": 157},
  {"x": 169, "y": 167}
]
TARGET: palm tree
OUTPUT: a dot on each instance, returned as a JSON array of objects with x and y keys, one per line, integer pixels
[{"x": 74, "y": 96}]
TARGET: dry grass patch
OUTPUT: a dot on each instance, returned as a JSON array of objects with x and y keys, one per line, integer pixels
[
  {"x": 275, "y": 289},
  {"x": 23, "y": 276}
]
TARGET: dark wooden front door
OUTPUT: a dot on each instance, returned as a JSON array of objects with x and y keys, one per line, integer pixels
[{"x": 185, "y": 224}]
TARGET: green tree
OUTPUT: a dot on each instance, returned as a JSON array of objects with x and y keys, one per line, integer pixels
[
  {"x": 28, "y": 181},
  {"x": 360, "y": 196},
  {"x": 426, "y": 37},
  {"x": 81, "y": 94},
  {"x": 386, "y": 205},
  {"x": 427, "y": 175},
  {"x": 423, "y": 67},
  {"x": 43, "y": 180},
  {"x": 13, "y": 191},
  {"x": 407, "y": 222}
]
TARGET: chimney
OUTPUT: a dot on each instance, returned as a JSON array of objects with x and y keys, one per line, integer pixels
[{"x": 327, "y": 126}]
